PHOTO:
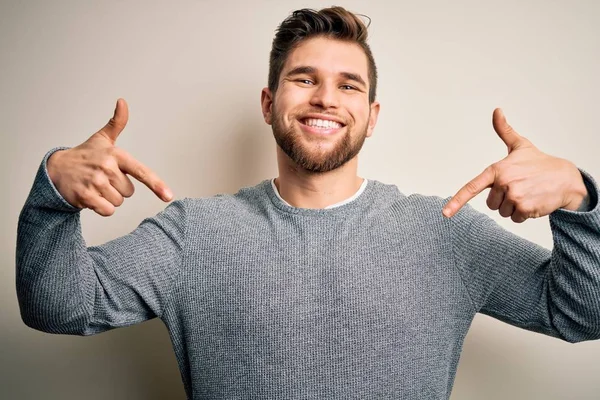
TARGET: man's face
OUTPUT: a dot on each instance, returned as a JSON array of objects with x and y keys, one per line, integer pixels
[{"x": 321, "y": 114}]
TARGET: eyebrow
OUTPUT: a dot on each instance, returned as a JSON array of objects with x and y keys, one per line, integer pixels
[
  {"x": 353, "y": 77},
  {"x": 303, "y": 69}
]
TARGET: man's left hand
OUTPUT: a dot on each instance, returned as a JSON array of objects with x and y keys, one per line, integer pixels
[{"x": 527, "y": 183}]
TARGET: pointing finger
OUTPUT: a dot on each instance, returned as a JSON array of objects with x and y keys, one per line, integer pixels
[
  {"x": 116, "y": 124},
  {"x": 470, "y": 190},
  {"x": 139, "y": 171}
]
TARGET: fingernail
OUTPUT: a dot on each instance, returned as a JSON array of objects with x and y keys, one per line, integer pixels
[
  {"x": 446, "y": 211},
  {"x": 167, "y": 195}
]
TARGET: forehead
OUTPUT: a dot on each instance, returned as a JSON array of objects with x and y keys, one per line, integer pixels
[{"x": 329, "y": 56}]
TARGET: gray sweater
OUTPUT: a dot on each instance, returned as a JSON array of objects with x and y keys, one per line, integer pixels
[{"x": 371, "y": 299}]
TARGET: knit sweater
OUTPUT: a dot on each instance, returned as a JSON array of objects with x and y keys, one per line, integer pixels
[{"x": 262, "y": 300}]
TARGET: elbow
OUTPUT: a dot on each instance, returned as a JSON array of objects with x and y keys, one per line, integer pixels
[
  {"x": 579, "y": 330},
  {"x": 47, "y": 324},
  {"x": 44, "y": 322},
  {"x": 47, "y": 315},
  {"x": 583, "y": 336}
]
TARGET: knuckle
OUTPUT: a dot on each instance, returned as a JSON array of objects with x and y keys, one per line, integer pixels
[
  {"x": 471, "y": 187},
  {"x": 518, "y": 197},
  {"x": 515, "y": 194},
  {"x": 525, "y": 209},
  {"x": 511, "y": 196},
  {"x": 492, "y": 170},
  {"x": 535, "y": 214},
  {"x": 115, "y": 124},
  {"x": 141, "y": 173},
  {"x": 108, "y": 164},
  {"x": 98, "y": 179},
  {"x": 87, "y": 197},
  {"x": 117, "y": 153},
  {"x": 503, "y": 183},
  {"x": 113, "y": 152}
]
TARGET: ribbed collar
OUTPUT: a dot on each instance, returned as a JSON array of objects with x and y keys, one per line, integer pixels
[
  {"x": 340, "y": 203},
  {"x": 359, "y": 200}
]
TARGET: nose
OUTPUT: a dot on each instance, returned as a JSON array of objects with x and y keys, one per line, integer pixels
[{"x": 325, "y": 96}]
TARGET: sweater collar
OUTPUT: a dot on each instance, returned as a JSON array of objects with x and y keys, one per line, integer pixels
[
  {"x": 358, "y": 200},
  {"x": 340, "y": 203}
]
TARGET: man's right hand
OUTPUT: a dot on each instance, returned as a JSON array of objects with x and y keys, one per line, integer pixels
[{"x": 92, "y": 175}]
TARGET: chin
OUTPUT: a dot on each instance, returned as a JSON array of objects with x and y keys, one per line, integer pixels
[{"x": 317, "y": 156}]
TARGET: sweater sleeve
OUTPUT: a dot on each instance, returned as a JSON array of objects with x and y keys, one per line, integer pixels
[
  {"x": 63, "y": 286},
  {"x": 555, "y": 292}
]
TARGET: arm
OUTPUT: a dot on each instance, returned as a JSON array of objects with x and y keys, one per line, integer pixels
[
  {"x": 65, "y": 287},
  {"x": 552, "y": 292}
]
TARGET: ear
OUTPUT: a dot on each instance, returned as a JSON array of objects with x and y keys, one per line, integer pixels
[
  {"x": 266, "y": 101},
  {"x": 373, "y": 118}
]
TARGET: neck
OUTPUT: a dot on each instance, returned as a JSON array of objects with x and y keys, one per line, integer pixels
[{"x": 304, "y": 189}]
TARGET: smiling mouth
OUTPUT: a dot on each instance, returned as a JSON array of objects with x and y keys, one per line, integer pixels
[{"x": 324, "y": 124}]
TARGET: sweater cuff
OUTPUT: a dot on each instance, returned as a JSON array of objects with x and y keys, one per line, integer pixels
[
  {"x": 590, "y": 210},
  {"x": 44, "y": 192},
  {"x": 591, "y": 201}
]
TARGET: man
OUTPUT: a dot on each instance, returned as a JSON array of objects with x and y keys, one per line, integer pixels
[{"x": 318, "y": 284}]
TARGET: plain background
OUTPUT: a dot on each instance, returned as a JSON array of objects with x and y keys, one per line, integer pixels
[{"x": 192, "y": 73}]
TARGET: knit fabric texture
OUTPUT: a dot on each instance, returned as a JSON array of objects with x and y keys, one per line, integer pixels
[{"x": 371, "y": 299}]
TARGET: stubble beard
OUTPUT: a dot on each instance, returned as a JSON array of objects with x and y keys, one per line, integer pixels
[{"x": 313, "y": 158}]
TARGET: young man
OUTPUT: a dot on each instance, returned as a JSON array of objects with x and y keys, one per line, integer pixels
[{"x": 317, "y": 284}]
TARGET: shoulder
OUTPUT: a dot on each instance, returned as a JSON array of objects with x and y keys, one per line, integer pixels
[
  {"x": 388, "y": 195},
  {"x": 248, "y": 200},
  {"x": 420, "y": 211}
]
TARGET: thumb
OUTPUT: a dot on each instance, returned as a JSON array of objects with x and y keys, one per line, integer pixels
[
  {"x": 508, "y": 135},
  {"x": 117, "y": 123}
]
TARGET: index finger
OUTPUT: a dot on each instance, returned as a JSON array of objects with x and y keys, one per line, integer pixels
[
  {"x": 139, "y": 171},
  {"x": 470, "y": 190}
]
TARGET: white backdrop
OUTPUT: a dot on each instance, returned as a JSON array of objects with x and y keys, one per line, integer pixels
[{"x": 192, "y": 74}]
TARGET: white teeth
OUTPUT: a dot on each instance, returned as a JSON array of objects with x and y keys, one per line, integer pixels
[{"x": 322, "y": 123}]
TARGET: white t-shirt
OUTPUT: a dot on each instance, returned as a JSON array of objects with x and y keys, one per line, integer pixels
[{"x": 341, "y": 203}]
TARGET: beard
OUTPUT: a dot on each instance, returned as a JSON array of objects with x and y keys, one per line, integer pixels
[{"x": 314, "y": 157}]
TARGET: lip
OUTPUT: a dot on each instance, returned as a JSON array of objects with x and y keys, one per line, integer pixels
[
  {"x": 322, "y": 116},
  {"x": 320, "y": 131}
]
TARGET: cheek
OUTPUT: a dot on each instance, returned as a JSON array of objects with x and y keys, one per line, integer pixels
[
  {"x": 359, "y": 111},
  {"x": 287, "y": 93},
  {"x": 288, "y": 102}
]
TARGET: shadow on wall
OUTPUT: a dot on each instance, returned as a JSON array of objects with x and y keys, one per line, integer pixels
[{"x": 240, "y": 154}]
